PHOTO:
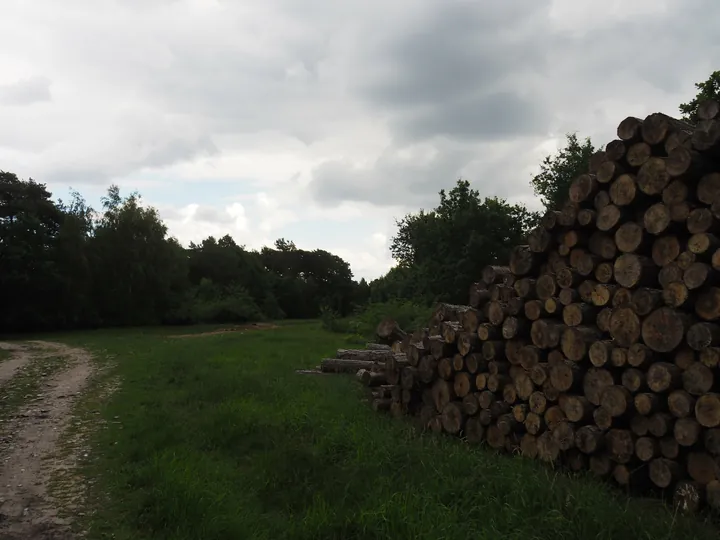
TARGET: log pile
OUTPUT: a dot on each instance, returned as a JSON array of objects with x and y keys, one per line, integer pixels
[{"x": 597, "y": 346}]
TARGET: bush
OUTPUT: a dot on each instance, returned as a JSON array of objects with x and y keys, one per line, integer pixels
[
  {"x": 213, "y": 304},
  {"x": 332, "y": 322},
  {"x": 408, "y": 314}
]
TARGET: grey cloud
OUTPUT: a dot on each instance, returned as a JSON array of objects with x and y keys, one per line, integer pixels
[
  {"x": 178, "y": 149},
  {"x": 391, "y": 181},
  {"x": 163, "y": 153},
  {"x": 245, "y": 93},
  {"x": 459, "y": 72},
  {"x": 394, "y": 181},
  {"x": 494, "y": 116},
  {"x": 26, "y": 91}
]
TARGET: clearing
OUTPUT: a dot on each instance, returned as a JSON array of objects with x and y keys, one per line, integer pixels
[{"x": 219, "y": 439}]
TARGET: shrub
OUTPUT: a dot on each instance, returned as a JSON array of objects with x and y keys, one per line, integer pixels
[{"x": 408, "y": 314}]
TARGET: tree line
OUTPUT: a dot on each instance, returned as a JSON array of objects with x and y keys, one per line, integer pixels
[{"x": 64, "y": 265}]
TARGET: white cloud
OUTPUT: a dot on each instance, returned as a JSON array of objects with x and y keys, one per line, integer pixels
[{"x": 322, "y": 122}]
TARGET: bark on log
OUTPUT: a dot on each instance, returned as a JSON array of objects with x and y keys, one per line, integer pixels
[
  {"x": 363, "y": 354},
  {"x": 583, "y": 188},
  {"x": 388, "y": 330},
  {"x": 377, "y": 347},
  {"x": 479, "y": 294},
  {"x": 630, "y": 129},
  {"x": 657, "y": 127},
  {"x": 336, "y": 365},
  {"x": 493, "y": 274}
]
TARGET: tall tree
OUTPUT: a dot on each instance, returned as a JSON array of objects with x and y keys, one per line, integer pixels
[
  {"x": 444, "y": 250},
  {"x": 708, "y": 89},
  {"x": 552, "y": 183},
  {"x": 29, "y": 225},
  {"x": 140, "y": 271}
]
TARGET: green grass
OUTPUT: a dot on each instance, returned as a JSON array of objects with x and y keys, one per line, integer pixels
[{"x": 217, "y": 438}]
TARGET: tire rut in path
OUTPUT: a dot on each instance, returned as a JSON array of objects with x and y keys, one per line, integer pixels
[
  {"x": 20, "y": 356},
  {"x": 29, "y": 457}
]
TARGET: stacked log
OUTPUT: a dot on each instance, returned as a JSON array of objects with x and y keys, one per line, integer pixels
[{"x": 597, "y": 346}]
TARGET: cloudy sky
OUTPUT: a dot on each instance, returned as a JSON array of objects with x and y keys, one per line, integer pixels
[{"x": 322, "y": 122}]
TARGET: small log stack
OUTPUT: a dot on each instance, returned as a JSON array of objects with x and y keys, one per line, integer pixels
[
  {"x": 377, "y": 367},
  {"x": 598, "y": 345}
]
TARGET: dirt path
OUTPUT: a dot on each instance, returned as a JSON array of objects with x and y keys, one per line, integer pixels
[
  {"x": 29, "y": 452},
  {"x": 20, "y": 357}
]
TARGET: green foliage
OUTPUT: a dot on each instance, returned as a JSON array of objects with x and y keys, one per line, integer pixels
[
  {"x": 64, "y": 266},
  {"x": 217, "y": 438},
  {"x": 409, "y": 315},
  {"x": 441, "y": 252},
  {"x": 552, "y": 183},
  {"x": 708, "y": 89},
  {"x": 331, "y": 321}
]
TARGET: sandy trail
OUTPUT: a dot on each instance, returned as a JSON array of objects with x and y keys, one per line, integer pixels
[
  {"x": 20, "y": 357},
  {"x": 29, "y": 451}
]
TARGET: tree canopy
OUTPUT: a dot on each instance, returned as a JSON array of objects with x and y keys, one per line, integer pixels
[
  {"x": 708, "y": 89},
  {"x": 439, "y": 252},
  {"x": 552, "y": 183},
  {"x": 63, "y": 265}
]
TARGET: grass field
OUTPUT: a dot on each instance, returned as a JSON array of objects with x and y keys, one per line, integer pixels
[{"x": 216, "y": 438}]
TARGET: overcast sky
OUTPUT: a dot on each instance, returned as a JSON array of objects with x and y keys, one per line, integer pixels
[{"x": 322, "y": 121}]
